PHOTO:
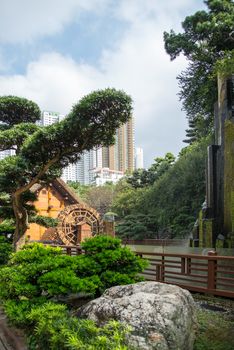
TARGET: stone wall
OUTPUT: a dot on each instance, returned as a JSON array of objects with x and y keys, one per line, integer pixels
[{"x": 216, "y": 219}]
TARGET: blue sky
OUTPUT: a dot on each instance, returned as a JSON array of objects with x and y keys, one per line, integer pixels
[{"x": 56, "y": 51}]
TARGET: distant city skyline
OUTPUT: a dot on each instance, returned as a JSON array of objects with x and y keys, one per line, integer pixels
[{"x": 106, "y": 163}]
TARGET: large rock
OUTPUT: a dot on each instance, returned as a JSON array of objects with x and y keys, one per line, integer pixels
[{"x": 161, "y": 316}]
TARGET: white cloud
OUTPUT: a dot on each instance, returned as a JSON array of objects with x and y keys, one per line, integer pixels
[
  {"x": 138, "y": 65},
  {"x": 25, "y": 20},
  {"x": 55, "y": 82}
]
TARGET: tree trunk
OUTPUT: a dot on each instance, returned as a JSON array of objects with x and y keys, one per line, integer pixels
[{"x": 21, "y": 217}]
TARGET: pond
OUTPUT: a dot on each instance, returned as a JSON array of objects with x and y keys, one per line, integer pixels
[{"x": 178, "y": 249}]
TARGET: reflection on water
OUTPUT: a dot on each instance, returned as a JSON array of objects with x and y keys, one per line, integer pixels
[{"x": 178, "y": 250}]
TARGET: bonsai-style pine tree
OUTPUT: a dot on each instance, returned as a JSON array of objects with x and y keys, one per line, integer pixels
[{"x": 41, "y": 152}]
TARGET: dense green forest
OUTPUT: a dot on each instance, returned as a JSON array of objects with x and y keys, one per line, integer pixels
[{"x": 164, "y": 206}]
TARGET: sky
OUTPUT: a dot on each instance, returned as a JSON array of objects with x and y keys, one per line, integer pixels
[{"x": 55, "y": 51}]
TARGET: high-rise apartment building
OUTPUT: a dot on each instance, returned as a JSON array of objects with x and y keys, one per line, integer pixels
[
  {"x": 139, "y": 162},
  {"x": 48, "y": 118},
  {"x": 116, "y": 159},
  {"x": 6, "y": 153},
  {"x": 120, "y": 156}
]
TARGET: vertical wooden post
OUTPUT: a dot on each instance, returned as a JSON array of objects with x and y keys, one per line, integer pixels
[
  {"x": 183, "y": 265},
  {"x": 158, "y": 273},
  {"x": 188, "y": 266},
  {"x": 162, "y": 269},
  {"x": 68, "y": 251},
  {"x": 212, "y": 270}
]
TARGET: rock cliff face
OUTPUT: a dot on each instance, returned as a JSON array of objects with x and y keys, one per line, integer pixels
[{"x": 161, "y": 316}]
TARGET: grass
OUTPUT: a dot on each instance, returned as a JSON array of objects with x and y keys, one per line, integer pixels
[{"x": 215, "y": 329}]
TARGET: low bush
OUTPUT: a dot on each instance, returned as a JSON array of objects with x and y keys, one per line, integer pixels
[
  {"x": 37, "y": 270},
  {"x": 37, "y": 273},
  {"x": 50, "y": 326},
  {"x": 56, "y": 329},
  {"x": 114, "y": 264},
  {"x": 18, "y": 311},
  {"x": 5, "y": 250}
]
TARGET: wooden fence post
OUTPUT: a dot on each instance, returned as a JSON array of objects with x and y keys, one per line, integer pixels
[
  {"x": 162, "y": 269},
  {"x": 188, "y": 266},
  {"x": 183, "y": 265},
  {"x": 158, "y": 272},
  {"x": 212, "y": 270},
  {"x": 68, "y": 251}
]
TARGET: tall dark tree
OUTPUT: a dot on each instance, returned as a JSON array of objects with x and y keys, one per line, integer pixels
[
  {"x": 207, "y": 37},
  {"x": 198, "y": 128},
  {"x": 41, "y": 152}
]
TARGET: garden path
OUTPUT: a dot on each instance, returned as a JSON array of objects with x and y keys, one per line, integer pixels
[{"x": 10, "y": 338}]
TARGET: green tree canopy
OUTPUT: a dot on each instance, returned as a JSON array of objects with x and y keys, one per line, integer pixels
[
  {"x": 168, "y": 207},
  {"x": 41, "y": 152},
  {"x": 142, "y": 177},
  {"x": 15, "y": 110},
  {"x": 207, "y": 37}
]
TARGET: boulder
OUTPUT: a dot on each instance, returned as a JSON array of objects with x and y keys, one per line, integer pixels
[{"x": 161, "y": 316}]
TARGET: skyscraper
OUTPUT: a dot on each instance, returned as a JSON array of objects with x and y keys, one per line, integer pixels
[
  {"x": 120, "y": 156},
  {"x": 139, "y": 163},
  {"x": 48, "y": 118}
]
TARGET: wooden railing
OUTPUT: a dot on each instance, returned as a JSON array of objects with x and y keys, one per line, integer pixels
[
  {"x": 209, "y": 274},
  {"x": 68, "y": 249}
]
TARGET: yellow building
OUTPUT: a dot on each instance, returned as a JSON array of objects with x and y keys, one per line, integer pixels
[{"x": 52, "y": 200}]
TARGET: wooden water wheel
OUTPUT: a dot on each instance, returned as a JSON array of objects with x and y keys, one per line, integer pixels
[{"x": 73, "y": 218}]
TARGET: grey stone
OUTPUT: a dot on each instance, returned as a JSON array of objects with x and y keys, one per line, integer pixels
[{"x": 162, "y": 316}]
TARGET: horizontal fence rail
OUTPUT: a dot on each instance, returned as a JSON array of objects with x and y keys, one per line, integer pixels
[
  {"x": 211, "y": 274},
  {"x": 68, "y": 249}
]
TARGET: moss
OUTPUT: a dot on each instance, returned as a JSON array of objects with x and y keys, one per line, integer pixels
[
  {"x": 208, "y": 230},
  {"x": 230, "y": 240},
  {"x": 232, "y": 208},
  {"x": 219, "y": 244},
  {"x": 200, "y": 230},
  {"x": 228, "y": 176}
]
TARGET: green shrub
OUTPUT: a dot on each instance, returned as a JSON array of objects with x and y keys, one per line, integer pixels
[
  {"x": 55, "y": 329},
  {"x": 18, "y": 311},
  {"x": 100, "y": 243},
  {"x": 37, "y": 270},
  {"x": 64, "y": 280},
  {"x": 114, "y": 264},
  {"x": 38, "y": 273},
  {"x": 5, "y": 250}
]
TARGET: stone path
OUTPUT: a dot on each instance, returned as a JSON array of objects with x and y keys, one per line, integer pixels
[{"x": 10, "y": 338}]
